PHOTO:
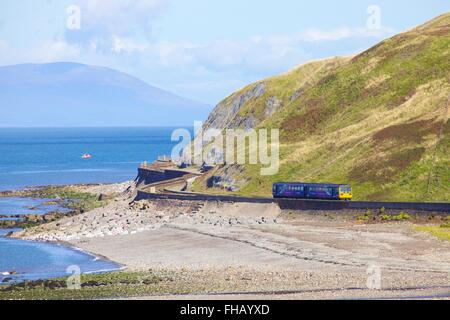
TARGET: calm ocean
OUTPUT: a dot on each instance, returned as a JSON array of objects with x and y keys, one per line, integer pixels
[{"x": 36, "y": 157}]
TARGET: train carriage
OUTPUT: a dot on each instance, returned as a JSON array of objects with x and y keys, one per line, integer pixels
[{"x": 320, "y": 191}]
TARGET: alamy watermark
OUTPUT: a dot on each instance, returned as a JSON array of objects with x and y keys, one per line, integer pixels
[
  {"x": 374, "y": 20},
  {"x": 228, "y": 146},
  {"x": 373, "y": 277},
  {"x": 73, "y": 282},
  {"x": 73, "y": 21}
]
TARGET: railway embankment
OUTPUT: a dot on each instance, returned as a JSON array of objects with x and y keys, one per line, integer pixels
[
  {"x": 164, "y": 180},
  {"x": 294, "y": 204}
]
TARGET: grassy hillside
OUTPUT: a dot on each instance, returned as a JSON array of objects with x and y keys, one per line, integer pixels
[{"x": 378, "y": 120}]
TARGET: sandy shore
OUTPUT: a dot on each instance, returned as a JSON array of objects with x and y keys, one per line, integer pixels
[{"x": 258, "y": 248}]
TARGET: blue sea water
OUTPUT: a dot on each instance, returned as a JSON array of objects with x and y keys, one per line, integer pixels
[
  {"x": 28, "y": 260},
  {"x": 11, "y": 206},
  {"x": 37, "y": 157},
  {"x": 44, "y": 156}
]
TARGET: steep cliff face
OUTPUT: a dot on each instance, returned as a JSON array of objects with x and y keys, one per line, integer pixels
[
  {"x": 257, "y": 102},
  {"x": 378, "y": 120}
]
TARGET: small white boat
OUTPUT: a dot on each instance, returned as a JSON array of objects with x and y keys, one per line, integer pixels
[{"x": 86, "y": 156}]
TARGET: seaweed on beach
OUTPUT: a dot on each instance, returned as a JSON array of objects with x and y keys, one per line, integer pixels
[
  {"x": 68, "y": 197},
  {"x": 104, "y": 285}
]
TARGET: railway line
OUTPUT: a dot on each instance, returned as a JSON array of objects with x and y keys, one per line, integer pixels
[
  {"x": 295, "y": 204},
  {"x": 173, "y": 188}
]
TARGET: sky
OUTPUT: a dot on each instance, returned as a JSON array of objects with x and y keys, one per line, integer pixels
[{"x": 201, "y": 49}]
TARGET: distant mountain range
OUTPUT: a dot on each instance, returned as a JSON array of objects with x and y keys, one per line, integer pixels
[{"x": 71, "y": 94}]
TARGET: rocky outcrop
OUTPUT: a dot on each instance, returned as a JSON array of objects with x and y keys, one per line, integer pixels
[
  {"x": 23, "y": 221},
  {"x": 248, "y": 108},
  {"x": 272, "y": 105},
  {"x": 225, "y": 115},
  {"x": 226, "y": 178}
]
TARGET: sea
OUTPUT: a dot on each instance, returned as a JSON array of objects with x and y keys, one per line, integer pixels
[
  {"x": 35, "y": 157},
  {"x": 53, "y": 156}
]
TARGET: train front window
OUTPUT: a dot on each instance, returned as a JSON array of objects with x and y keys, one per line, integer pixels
[{"x": 346, "y": 190}]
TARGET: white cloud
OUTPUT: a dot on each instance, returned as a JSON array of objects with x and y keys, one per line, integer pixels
[
  {"x": 107, "y": 22},
  {"x": 58, "y": 50},
  {"x": 118, "y": 34},
  {"x": 127, "y": 45},
  {"x": 217, "y": 68},
  {"x": 119, "y": 16},
  {"x": 3, "y": 44},
  {"x": 260, "y": 54},
  {"x": 122, "y": 30},
  {"x": 315, "y": 35}
]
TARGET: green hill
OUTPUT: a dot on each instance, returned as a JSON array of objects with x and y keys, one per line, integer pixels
[{"x": 378, "y": 120}]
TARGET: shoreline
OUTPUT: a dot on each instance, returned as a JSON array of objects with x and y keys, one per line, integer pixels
[
  {"x": 229, "y": 243},
  {"x": 96, "y": 256},
  {"x": 69, "y": 246},
  {"x": 93, "y": 257},
  {"x": 30, "y": 191},
  {"x": 35, "y": 193},
  {"x": 71, "y": 199}
]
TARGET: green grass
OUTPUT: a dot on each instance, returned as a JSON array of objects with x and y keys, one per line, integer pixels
[
  {"x": 95, "y": 286},
  {"x": 76, "y": 200},
  {"x": 380, "y": 136},
  {"x": 403, "y": 216},
  {"x": 70, "y": 197},
  {"x": 441, "y": 232},
  {"x": 365, "y": 217}
]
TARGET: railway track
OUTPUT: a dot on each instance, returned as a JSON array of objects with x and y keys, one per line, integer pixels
[
  {"x": 296, "y": 204},
  {"x": 169, "y": 189}
]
